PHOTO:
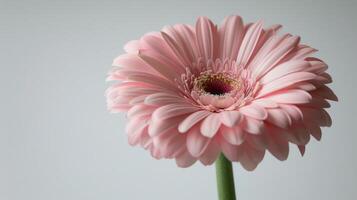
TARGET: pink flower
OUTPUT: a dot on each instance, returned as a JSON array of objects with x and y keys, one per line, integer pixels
[{"x": 193, "y": 92}]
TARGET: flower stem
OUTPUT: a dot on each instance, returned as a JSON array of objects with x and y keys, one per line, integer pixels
[{"x": 225, "y": 180}]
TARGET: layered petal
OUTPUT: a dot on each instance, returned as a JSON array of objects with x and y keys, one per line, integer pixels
[{"x": 195, "y": 92}]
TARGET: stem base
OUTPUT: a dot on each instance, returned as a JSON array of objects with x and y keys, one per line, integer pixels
[{"x": 225, "y": 180}]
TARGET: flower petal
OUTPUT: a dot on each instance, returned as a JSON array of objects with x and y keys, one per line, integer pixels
[
  {"x": 279, "y": 118},
  {"x": 185, "y": 160},
  {"x": 211, "y": 154},
  {"x": 230, "y": 118},
  {"x": 266, "y": 103},
  {"x": 163, "y": 98},
  {"x": 162, "y": 68},
  {"x": 132, "y": 46},
  {"x": 284, "y": 69},
  {"x": 234, "y": 136},
  {"x": 326, "y": 93},
  {"x": 172, "y": 110},
  {"x": 277, "y": 144},
  {"x": 191, "y": 120},
  {"x": 301, "y": 149},
  {"x": 291, "y": 97},
  {"x": 205, "y": 31},
  {"x": 252, "y": 125},
  {"x": 178, "y": 49},
  {"x": 140, "y": 110},
  {"x": 153, "y": 45},
  {"x": 185, "y": 37},
  {"x": 276, "y": 55},
  {"x": 248, "y": 44},
  {"x": 196, "y": 143},
  {"x": 314, "y": 129},
  {"x": 300, "y": 52},
  {"x": 284, "y": 82},
  {"x": 231, "y": 35},
  {"x": 257, "y": 141},
  {"x": 293, "y": 111},
  {"x": 231, "y": 152},
  {"x": 160, "y": 126},
  {"x": 254, "y": 111},
  {"x": 251, "y": 157},
  {"x": 210, "y": 125}
]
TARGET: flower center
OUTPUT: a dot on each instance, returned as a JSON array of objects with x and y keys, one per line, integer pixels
[{"x": 216, "y": 84}]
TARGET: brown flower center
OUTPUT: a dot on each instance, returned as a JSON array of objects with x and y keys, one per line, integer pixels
[{"x": 216, "y": 84}]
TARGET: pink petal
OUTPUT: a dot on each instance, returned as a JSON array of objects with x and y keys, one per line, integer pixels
[
  {"x": 196, "y": 142},
  {"x": 160, "y": 126},
  {"x": 185, "y": 160},
  {"x": 306, "y": 86},
  {"x": 318, "y": 102},
  {"x": 265, "y": 49},
  {"x": 173, "y": 147},
  {"x": 230, "y": 118},
  {"x": 172, "y": 110},
  {"x": 249, "y": 42},
  {"x": 326, "y": 93},
  {"x": 205, "y": 31},
  {"x": 234, "y": 136},
  {"x": 301, "y": 149},
  {"x": 247, "y": 163},
  {"x": 137, "y": 100},
  {"x": 191, "y": 120},
  {"x": 177, "y": 49},
  {"x": 254, "y": 111},
  {"x": 222, "y": 102},
  {"x": 153, "y": 45},
  {"x": 323, "y": 78},
  {"x": 276, "y": 55},
  {"x": 185, "y": 37},
  {"x": 154, "y": 80},
  {"x": 317, "y": 67},
  {"x": 132, "y": 62},
  {"x": 284, "y": 69},
  {"x": 161, "y": 98},
  {"x": 140, "y": 110},
  {"x": 291, "y": 97},
  {"x": 231, "y": 35},
  {"x": 267, "y": 34},
  {"x": 211, "y": 153},
  {"x": 314, "y": 129},
  {"x": 162, "y": 139},
  {"x": 302, "y": 52},
  {"x": 251, "y": 157},
  {"x": 252, "y": 125},
  {"x": 135, "y": 132},
  {"x": 277, "y": 144},
  {"x": 317, "y": 115},
  {"x": 284, "y": 82},
  {"x": 266, "y": 103},
  {"x": 257, "y": 141},
  {"x": 162, "y": 68},
  {"x": 293, "y": 111},
  {"x": 132, "y": 46},
  {"x": 169, "y": 143},
  {"x": 298, "y": 134},
  {"x": 231, "y": 152},
  {"x": 279, "y": 118},
  {"x": 210, "y": 125}
]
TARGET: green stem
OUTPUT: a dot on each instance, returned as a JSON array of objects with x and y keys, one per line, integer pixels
[{"x": 225, "y": 180}]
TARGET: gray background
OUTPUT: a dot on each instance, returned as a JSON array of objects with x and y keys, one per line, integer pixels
[{"x": 58, "y": 142}]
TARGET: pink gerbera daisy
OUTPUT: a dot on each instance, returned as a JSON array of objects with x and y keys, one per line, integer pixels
[{"x": 192, "y": 93}]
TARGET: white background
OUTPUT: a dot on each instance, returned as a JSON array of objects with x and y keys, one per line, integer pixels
[{"x": 58, "y": 142}]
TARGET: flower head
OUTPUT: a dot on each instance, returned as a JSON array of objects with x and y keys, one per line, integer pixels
[{"x": 191, "y": 93}]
